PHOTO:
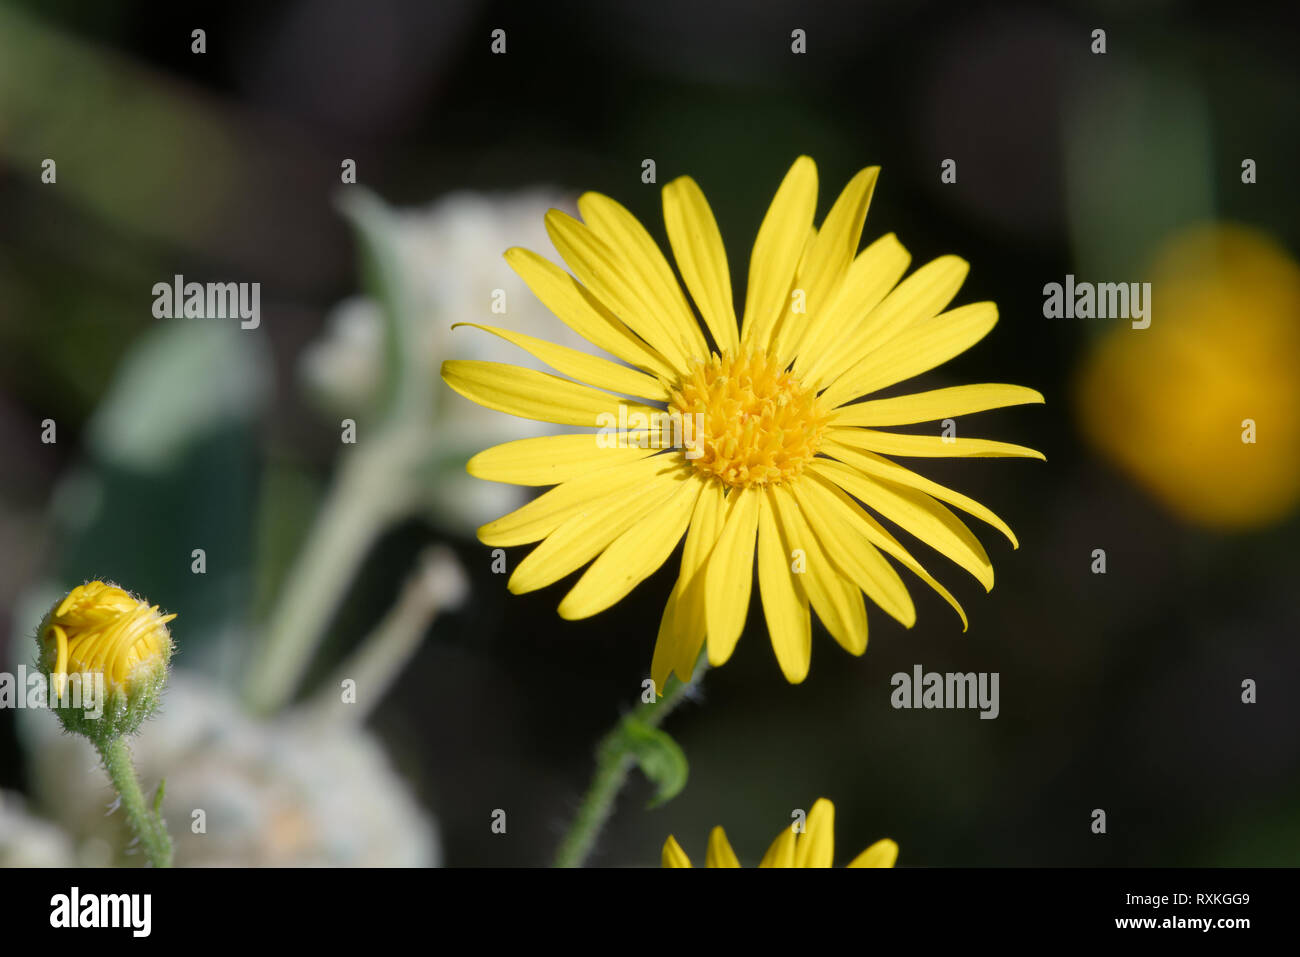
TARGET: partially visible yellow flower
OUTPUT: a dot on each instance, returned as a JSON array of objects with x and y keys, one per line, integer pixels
[
  {"x": 772, "y": 477},
  {"x": 100, "y": 630},
  {"x": 814, "y": 847},
  {"x": 1220, "y": 362}
]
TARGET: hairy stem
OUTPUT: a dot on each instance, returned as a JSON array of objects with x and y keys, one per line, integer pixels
[
  {"x": 145, "y": 821},
  {"x": 614, "y": 761}
]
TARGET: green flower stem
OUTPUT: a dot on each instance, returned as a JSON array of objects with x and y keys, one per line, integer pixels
[
  {"x": 147, "y": 823},
  {"x": 614, "y": 761}
]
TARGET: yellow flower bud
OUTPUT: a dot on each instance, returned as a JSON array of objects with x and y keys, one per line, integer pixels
[{"x": 118, "y": 646}]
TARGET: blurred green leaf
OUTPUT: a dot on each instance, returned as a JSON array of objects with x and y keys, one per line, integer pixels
[
  {"x": 408, "y": 393},
  {"x": 172, "y": 467},
  {"x": 183, "y": 380}
]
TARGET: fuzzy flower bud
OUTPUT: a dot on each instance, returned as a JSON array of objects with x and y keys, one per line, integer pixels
[{"x": 106, "y": 655}]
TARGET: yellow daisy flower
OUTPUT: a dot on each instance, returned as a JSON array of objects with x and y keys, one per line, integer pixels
[
  {"x": 814, "y": 847},
  {"x": 771, "y": 456}
]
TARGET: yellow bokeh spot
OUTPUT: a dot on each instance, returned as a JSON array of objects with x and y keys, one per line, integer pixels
[
  {"x": 759, "y": 426},
  {"x": 1203, "y": 408}
]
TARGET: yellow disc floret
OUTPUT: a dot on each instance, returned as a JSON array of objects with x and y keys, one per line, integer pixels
[{"x": 758, "y": 425}]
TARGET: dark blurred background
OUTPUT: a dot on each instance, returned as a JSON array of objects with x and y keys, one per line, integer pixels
[{"x": 1119, "y": 691}]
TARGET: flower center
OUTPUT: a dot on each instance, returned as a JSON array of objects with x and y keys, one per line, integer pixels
[{"x": 758, "y": 425}]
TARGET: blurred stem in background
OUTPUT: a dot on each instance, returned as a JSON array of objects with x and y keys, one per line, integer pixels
[
  {"x": 636, "y": 740},
  {"x": 380, "y": 481},
  {"x": 370, "y": 493},
  {"x": 438, "y": 584}
]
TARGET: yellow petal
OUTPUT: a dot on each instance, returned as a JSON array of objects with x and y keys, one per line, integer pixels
[
  {"x": 673, "y": 855},
  {"x": 61, "y": 653},
  {"x": 919, "y": 297},
  {"x": 648, "y": 271},
  {"x": 916, "y": 349},
  {"x": 785, "y": 606},
  {"x": 935, "y": 404},
  {"x": 854, "y": 518},
  {"x": 852, "y": 552},
  {"x": 870, "y": 277},
  {"x": 582, "y": 312},
  {"x": 837, "y": 600},
  {"x": 881, "y": 854},
  {"x": 843, "y": 611},
  {"x": 882, "y": 468},
  {"x": 930, "y": 446},
  {"x": 826, "y": 263},
  {"x": 603, "y": 271},
  {"x": 589, "y": 532},
  {"x": 918, "y": 514},
  {"x": 582, "y": 366},
  {"x": 552, "y": 459},
  {"x": 816, "y": 846},
  {"x": 701, "y": 258},
  {"x": 730, "y": 575},
  {"x": 792, "y": 324},
  {"x": 838, "y": 239},
  {"x": 682, "y": 628},
  {"x": 777, "y": 251},
  {"x": 781, "y": 853},
  {"x": 633, "y": 556},
  {"x": 551, "y": 509},
  {"x": 530, "y": 394},
  {"x": 720, "y": 852},
  {"x": 671, "y": 637}
]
